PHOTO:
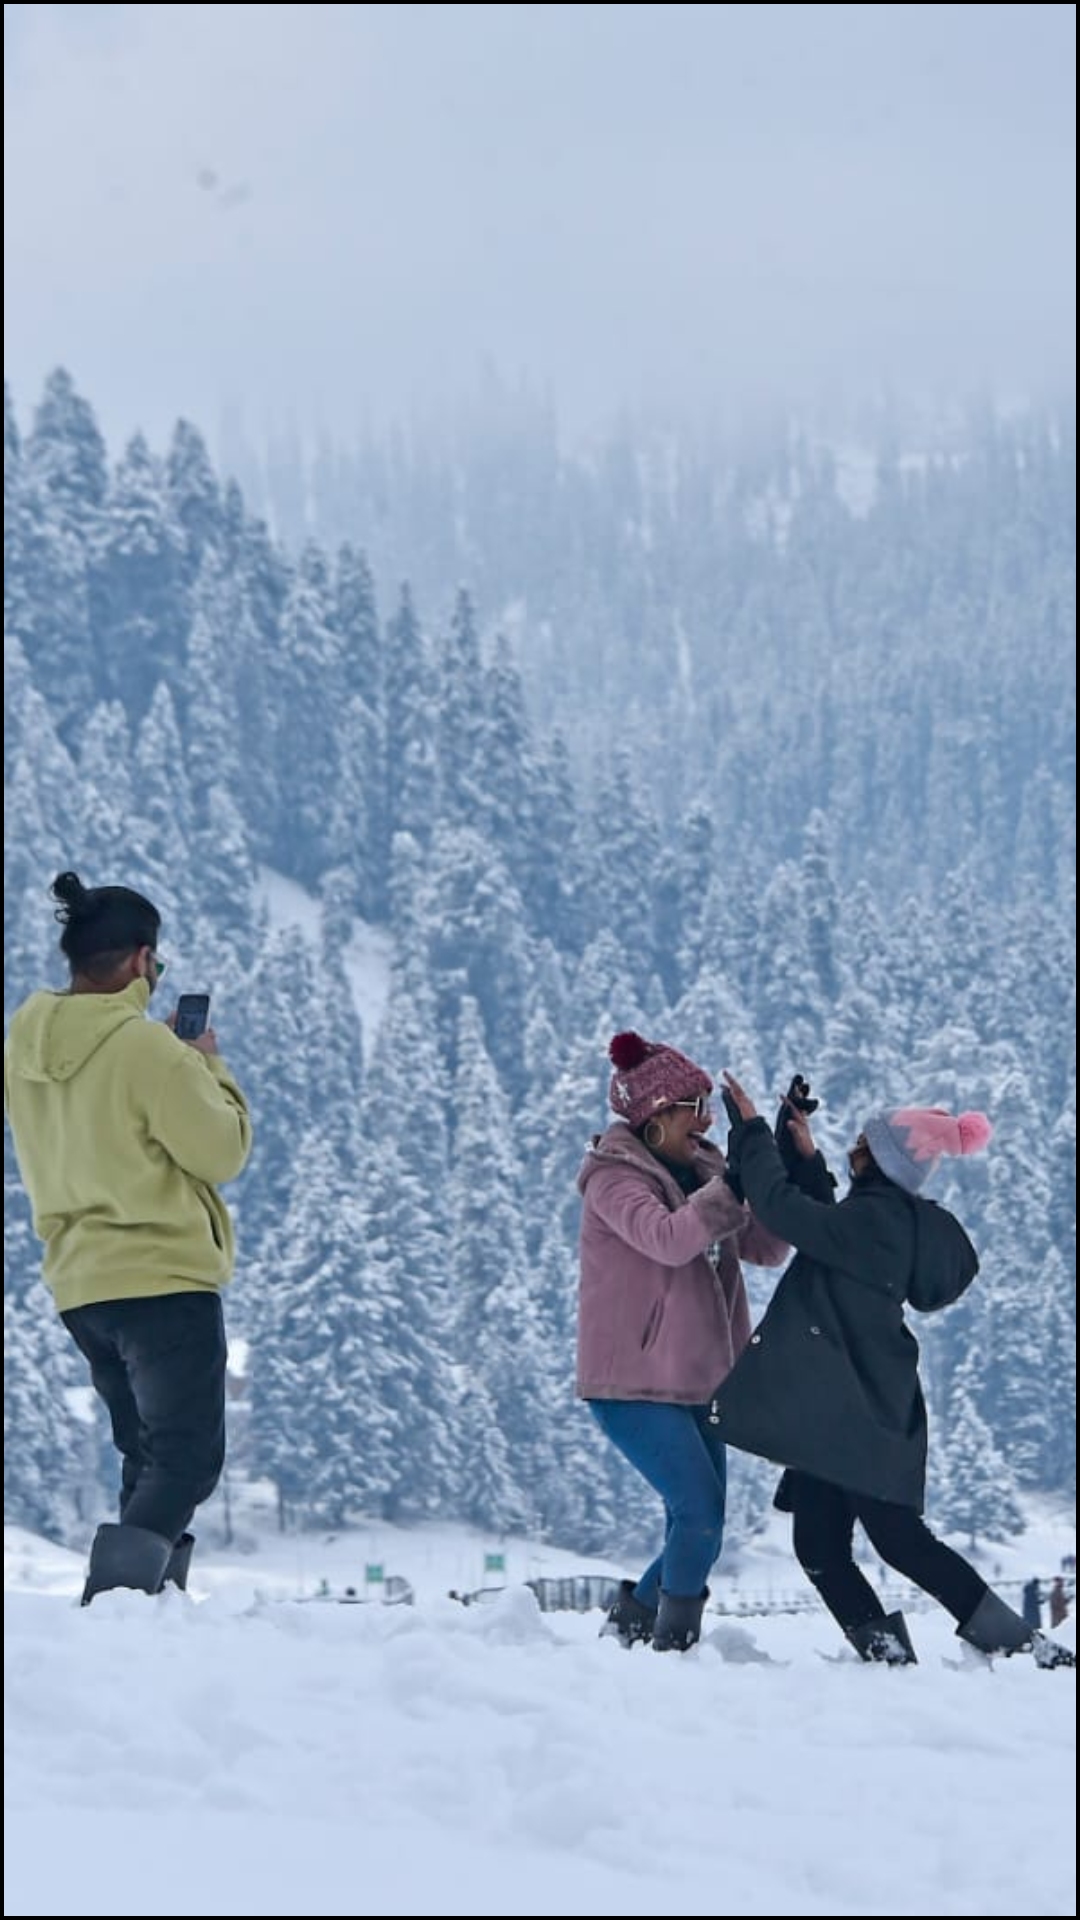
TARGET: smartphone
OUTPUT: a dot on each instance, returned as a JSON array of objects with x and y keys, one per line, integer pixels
[{"x": 192, "y": 1014}]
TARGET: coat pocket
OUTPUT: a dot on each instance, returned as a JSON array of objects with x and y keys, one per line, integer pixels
[
  {"x": 209, "y": 1202},
  {"x": 652, "y": 1326}
]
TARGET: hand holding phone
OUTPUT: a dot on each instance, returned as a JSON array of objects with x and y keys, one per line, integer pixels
[{"x": 192, "y": 1014}]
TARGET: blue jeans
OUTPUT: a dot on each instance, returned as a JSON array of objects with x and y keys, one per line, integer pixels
[{"x": 680, "y": 1454}]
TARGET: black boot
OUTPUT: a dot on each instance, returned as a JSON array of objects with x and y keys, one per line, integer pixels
[
  {"x": 629, "y": 1620},
  {"x": 180, "y": 1561},
  {"x": 995, "y": 1628},
  {"x": 886, "y": 1639},
  {"x": 126, "y": 1557},
  {"x": 678, "y": 1621}
]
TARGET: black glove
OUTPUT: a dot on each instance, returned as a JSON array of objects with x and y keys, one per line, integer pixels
[
  {"x": 798, "y": 1095},
  {"x": 734, "y": 1144},
  {"x": 811, "y": 1176}
]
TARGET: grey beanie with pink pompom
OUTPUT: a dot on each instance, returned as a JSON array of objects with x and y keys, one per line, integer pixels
[{"x": 909, "y": 1142}]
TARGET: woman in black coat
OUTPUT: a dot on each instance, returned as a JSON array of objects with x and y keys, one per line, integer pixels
[{"x": 829, "y": 1384}]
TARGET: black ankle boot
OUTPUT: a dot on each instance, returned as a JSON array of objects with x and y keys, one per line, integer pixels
[
  {"x": 126, "y": 1557},
  {"x": 176, "y": 1571},
  {"x": 678, "y": 1621},
  {"x": 886, "y": 1639},
  {"x": 629, "y": 1620},
  {"x": 995, "y": 1628}
]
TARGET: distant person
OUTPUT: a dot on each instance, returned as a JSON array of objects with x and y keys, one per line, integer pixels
[
  {"x": 1031, "y": 1603},
  {"x": 662, "y": 1317},
  {"x": 829, "y": 1385},
  {"x": 122, "y": 1133},
  {"x": 1058, "y": 1601}
]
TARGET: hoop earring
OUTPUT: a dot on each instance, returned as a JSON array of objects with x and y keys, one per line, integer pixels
[{"x": 661, "y": 1136}]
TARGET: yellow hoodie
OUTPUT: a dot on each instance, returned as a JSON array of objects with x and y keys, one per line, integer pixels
[{"x": 122, "y": 1133}]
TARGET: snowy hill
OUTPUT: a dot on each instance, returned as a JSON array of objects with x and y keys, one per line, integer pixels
[
  {"x": 365, "y": 960},
  {"x": 232, "y": 1751}
]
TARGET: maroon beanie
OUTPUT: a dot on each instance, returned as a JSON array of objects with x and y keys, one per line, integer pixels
[{"x": 649, "y": 1076}]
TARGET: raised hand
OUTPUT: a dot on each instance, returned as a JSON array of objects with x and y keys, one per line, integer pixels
[
  {"x": 792, "y": 1129},
  {"x": 798, "y": 1094},
  {"x": 737, "y": 1101}
]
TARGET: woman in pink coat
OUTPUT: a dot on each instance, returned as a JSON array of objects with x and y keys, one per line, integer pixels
[{"x": 663, "y": 1316}]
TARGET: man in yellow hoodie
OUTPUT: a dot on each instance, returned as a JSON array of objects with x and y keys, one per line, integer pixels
[{"x": 122, "y": 1134}]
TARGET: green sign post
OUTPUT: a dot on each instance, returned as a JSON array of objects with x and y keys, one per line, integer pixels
[
  {"x": 373, "y": 1573},
  {"x": 494, "y": 1563}
]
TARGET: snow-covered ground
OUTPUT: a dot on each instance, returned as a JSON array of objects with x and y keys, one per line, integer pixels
[{"x": 247, "y": 1750}]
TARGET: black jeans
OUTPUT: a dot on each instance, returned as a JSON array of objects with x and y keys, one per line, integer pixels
[
  {"x": 825, "y": 1517},
  {"x": 159, "y": 1366}
]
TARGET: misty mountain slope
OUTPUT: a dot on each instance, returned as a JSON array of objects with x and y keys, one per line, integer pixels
[{"x": 807, "y": 805}]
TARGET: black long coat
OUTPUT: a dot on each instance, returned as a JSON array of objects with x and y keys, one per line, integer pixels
[{"x": 829, "y": 1383}]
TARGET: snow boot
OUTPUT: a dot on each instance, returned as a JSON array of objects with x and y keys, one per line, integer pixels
[
  {"x": 885, "y": 1639},
  {"x": 629, "y": 1620},
  {"x": 678, "y": 1621},
  {"x": 1050, "y": 1653},
  {"x": 995, "y": 1628},
  {"x": 126, "y": 1557},
  {"x": 180, "y": 1561}
]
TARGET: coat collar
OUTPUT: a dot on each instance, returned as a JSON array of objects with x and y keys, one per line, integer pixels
[{"x": 620, "y": 1144}]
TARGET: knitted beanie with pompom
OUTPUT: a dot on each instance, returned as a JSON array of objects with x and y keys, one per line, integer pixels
[
  {"x": 909, "y": 1142},
  {"x": 648, "y": 1076}
]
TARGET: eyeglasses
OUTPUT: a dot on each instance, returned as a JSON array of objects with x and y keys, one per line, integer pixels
[
  {"x": 699, "y": 1107},
  {"x": 160, "y": 964}
]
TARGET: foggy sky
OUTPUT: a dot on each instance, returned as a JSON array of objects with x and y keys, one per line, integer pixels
[{"x": 326, "y": 212}]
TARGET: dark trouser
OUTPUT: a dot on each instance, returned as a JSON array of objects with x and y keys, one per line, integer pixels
[
  {"x": 825, "y": 1517},
  {"x": 159, "y": 1366},
  {"x": 681, "y": 1454}
]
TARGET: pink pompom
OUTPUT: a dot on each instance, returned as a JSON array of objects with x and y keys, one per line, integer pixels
[
  {"x": 627, "y": 1050},
  {"x": 975, "y": 1132}
]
